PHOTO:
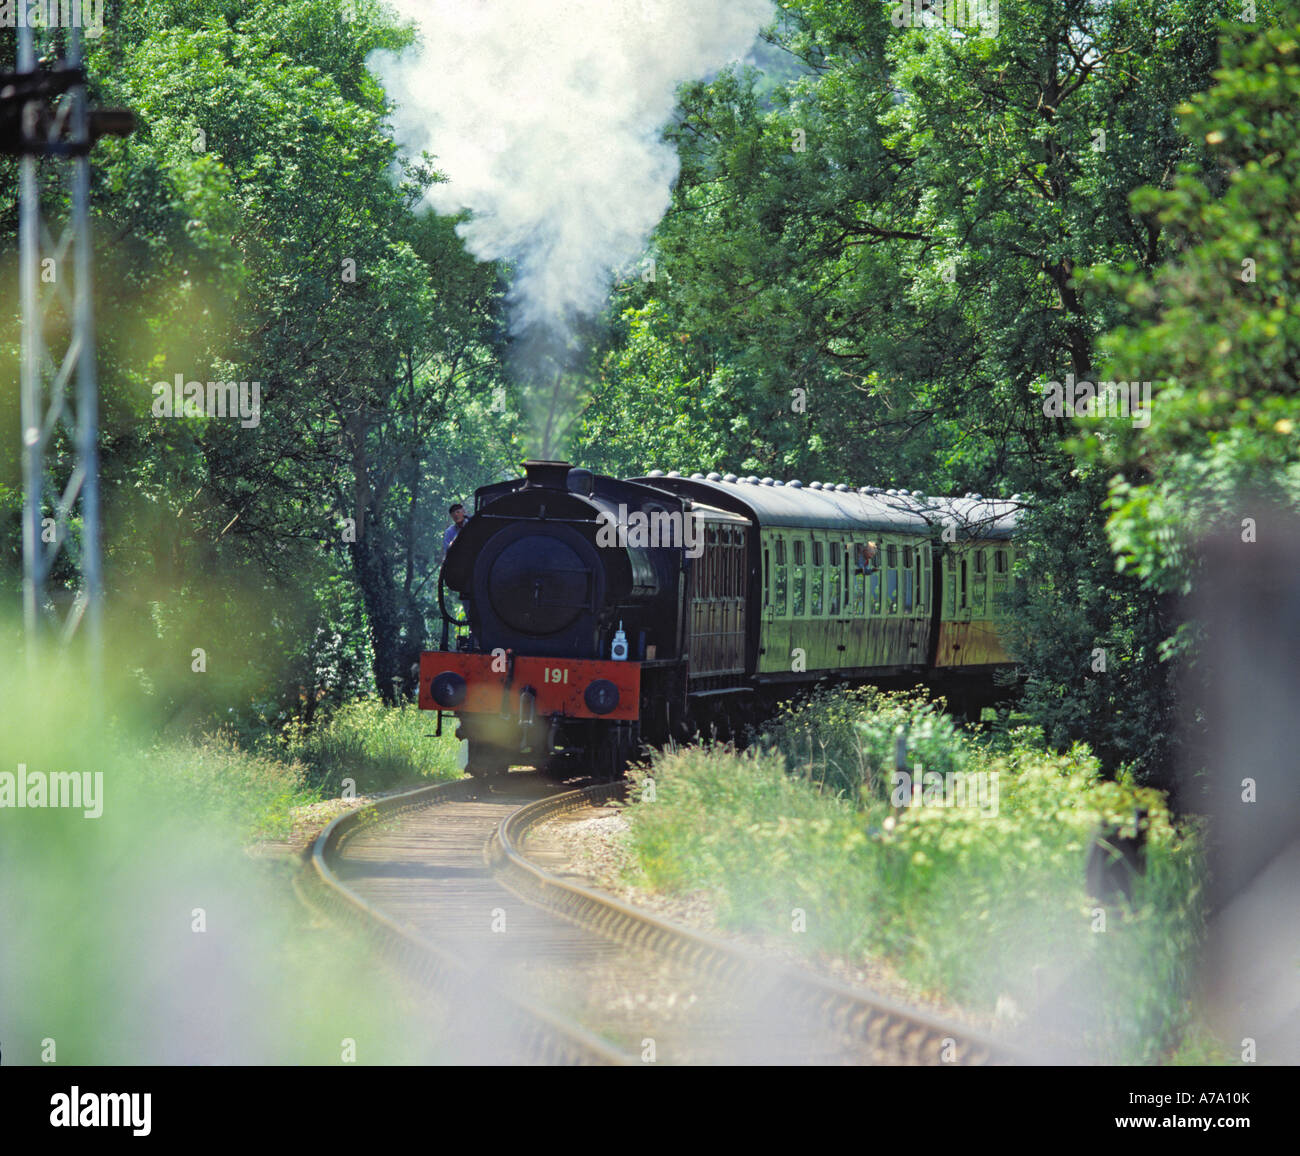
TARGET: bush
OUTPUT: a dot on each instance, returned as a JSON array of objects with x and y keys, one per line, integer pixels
[
  {"x": 975, "y": 904},
  {"x": 845, "y": 741}
]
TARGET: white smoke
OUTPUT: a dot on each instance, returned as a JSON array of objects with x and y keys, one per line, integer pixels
[{"x": 545, "y": 116}]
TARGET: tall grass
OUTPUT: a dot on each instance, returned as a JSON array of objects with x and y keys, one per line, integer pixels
[
  {"x": 972, "y": 905},
  {"x": 374, "y": 745},
  {"x": 364, "y": 747},
  {"x": 251, "y": 794}
]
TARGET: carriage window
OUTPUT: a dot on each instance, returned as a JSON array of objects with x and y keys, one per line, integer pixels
[
  {"x": 891, "y": 579},
  {"x": 817, "y": 554},
  {"x": 907, "y": 588},
  {"x": 835, "y": 553},
  {"x": 836, "y": 575},
  {"x": 818, "y": 576},
  {"x": 859, "y": 593},
  {"x": 979, "y": 587},
  {"x": 1000, "y": 561},
  {"x": 767, "y": 578},
  {"x": 797, "y": 581},
  {"x": 961, "y": 605},
  {"x": 779, "y": 575}
]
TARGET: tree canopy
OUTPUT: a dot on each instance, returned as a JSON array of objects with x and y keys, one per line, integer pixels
[{"x": 885, "y": 247}]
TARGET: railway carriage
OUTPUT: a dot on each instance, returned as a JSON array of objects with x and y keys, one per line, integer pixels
[{"x": 602, "y": 614}]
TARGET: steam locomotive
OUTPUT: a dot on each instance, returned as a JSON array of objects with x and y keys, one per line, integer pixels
[{"x": 604, "y": 614}]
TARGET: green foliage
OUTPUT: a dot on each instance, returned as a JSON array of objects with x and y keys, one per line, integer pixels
[
  {"x": 1090, "y": 638},
  {"x": 374, "y": 745},
  {"x": 846, "y": 741},
  {"x": 974, "y": 905},
  {"x": 250, "y": 783},
  {"x": 896, "y": 230},
  {"x": 872, "y": 263},
  {"x": 254, "y": 793},
  {"x": 260, "y": 225},
  {"x": 1218, "y": 326},
  {"x": 652, "y": 406},
  {"x": 147, "y": 935}
]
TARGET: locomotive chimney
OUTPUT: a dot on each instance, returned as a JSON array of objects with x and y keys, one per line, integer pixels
[{"x": 547, "y": 475}]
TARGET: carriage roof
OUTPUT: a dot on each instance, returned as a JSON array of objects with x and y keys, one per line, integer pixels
[{"x": 826, "y": 507}]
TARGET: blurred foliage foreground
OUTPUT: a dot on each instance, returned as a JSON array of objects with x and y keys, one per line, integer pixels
[
  {"x": 146, "y": 935},
  {"x": 798, "y": 838}
]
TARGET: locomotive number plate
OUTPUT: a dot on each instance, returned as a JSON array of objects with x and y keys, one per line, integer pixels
[{"x": 556, "y": 674}]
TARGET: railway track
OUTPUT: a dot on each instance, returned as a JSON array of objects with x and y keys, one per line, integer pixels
[{"x": 532, "y": 967}]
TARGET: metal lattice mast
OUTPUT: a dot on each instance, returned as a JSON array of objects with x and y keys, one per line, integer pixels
[{"x": 60, "y": 406}]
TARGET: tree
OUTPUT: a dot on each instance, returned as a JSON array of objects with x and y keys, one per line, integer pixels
[
  {"x": 253, "y": 229},
  {"x": 1218, "y": 326},
  {"x": 898, "y": 233}
]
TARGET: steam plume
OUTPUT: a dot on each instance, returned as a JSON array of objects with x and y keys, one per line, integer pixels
[{"x": 545, "y": 116}]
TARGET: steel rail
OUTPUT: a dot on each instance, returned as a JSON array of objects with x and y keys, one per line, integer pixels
[
  {"x": 541, "y": 1036},
  {"x": 915, "y": 1036}
]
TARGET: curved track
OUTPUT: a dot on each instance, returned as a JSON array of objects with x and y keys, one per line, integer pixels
[{"x": 531, "y": 967}]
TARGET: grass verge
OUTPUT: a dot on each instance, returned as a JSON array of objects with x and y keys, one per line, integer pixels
[{"x": 985, "y": 904}]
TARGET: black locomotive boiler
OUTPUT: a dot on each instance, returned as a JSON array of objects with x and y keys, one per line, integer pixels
[{"x": 604, "y": 614}]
